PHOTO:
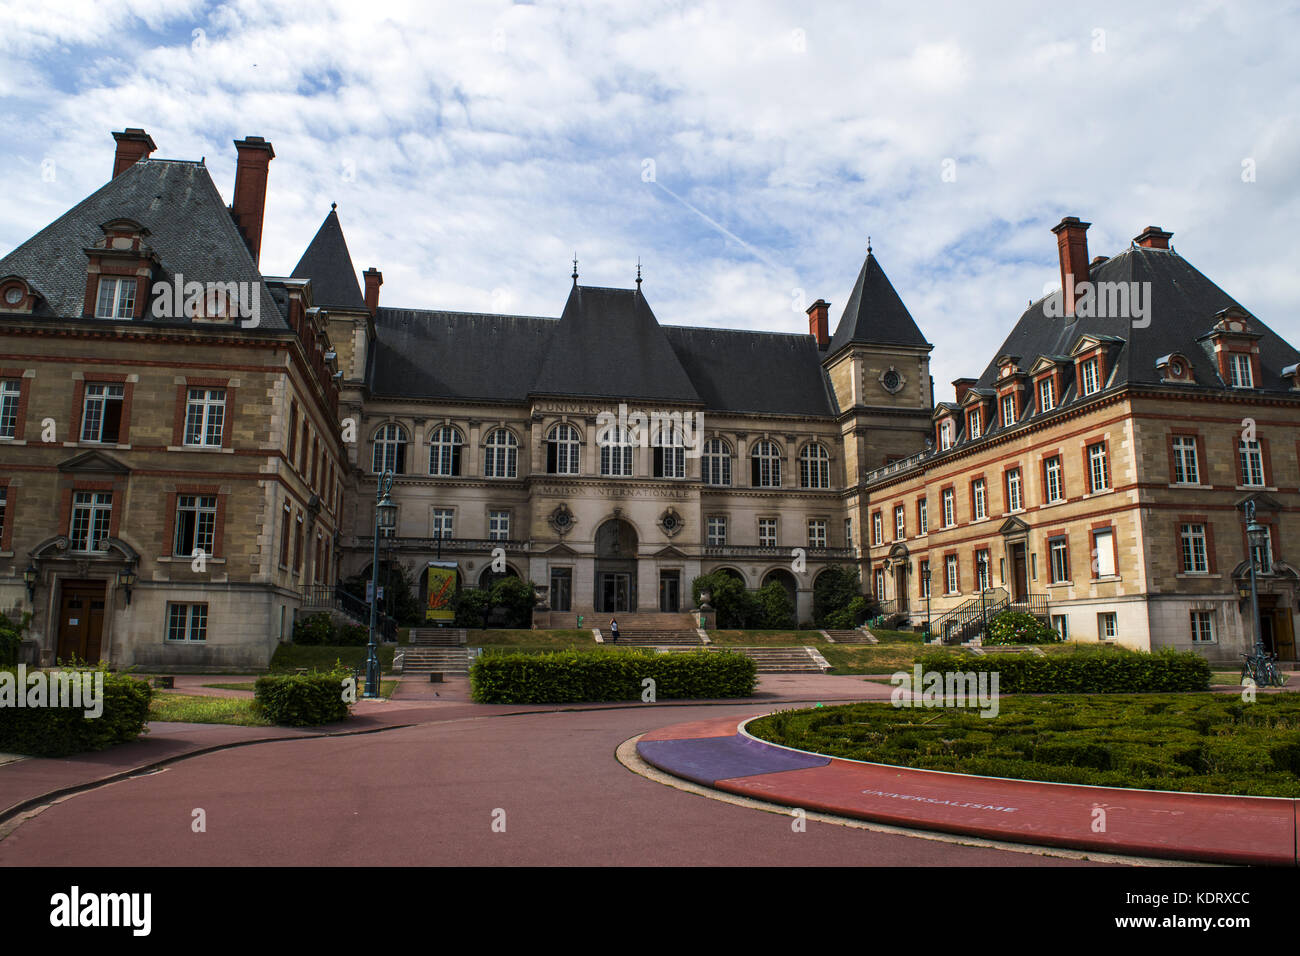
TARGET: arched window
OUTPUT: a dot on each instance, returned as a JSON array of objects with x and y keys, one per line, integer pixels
[
  {"x": 717, "y": 462},
  {"x": 766, "y": 465},
  {"x": 444, "y": 452},
  {"x": 562, "y": 447},
  {"x": 669, "y": 451},
  {"x": 390, "y": 450},
  {"x": 616, "y": 452},
  {"x": 814, "y": 467},
  {"x": 501, "y": 455}
]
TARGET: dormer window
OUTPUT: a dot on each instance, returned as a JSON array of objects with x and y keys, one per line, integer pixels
[
  {"x": 974, "y": 420},
  {"x": 116, "y": 299},
  {"x": 1088, "y": 379},
  {"x": 1008, "y": 410},
  {"x": 1046, "y": 395},
  {"x": 945, "y": 435},
  {"x": 1239, "y": 371}
]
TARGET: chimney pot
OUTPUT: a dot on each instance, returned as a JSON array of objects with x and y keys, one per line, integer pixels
[
  {"x": 133, "y": 145},
  {"x": 819, "y": 322},
  {"x": 962, "y": 386},
  {"x": 249, "y": 207},
  {"x": 1153, "y": 237},
  {"x": 1072, "y": 247},
  {"x": 374, "y": 279}
]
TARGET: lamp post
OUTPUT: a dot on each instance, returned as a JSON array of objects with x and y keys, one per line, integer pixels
[
  {"x": 30, "y": 577},
  {"x": 385, "y": 519},
  {"x": 983, "y": 583},
  {"x": 1255, "y": 536},
  {"x": 927, "y": 603}
]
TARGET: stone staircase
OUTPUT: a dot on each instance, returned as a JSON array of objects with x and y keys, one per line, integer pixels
[
  {"x": 858, "y": 636},
  {"x": 783, "y": 660},
  {"x": 651, "y": 630},
  {"x": 436, "y": 650},
  {"x": 439, "y": 636}
]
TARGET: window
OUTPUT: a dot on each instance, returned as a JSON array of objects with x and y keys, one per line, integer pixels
[
  {"x": 814, "y": 467},
  {"x": 4, "y": 502},
  {"x": 187, "y": 622},
  {"x": 101, "y": 413},
  {"x": 1059, "y": 552},
  {"x": 116, "y": 299},
  {"x": 1046, "y": 395},
  {"x": 767, "y": 532},
  {"x": 1052, "y": 479},
  {"x": 717, "y": 462},
  {"x": 92, "y": 513},
  {"x": 284, "y": 537},
  {"x": 982, "y": 581},
  {"x": 562, "y": 449},
  {"x": 1015, "y": 490},
  {"x": 978, "y": 502},
  {"x": 877, "y": 528},
  {"x": 315, "y": 460},
  {"x": 501, "y": 455},
  {"x": 444, "y": 452},
  {"x": 879, "y": 577},
  {"x": 1008, "y": 410},
  {"x": 1251, "y": 456},
  {"x": 1239, "y": 370},
  {"x": 303, "y": 447},
  {"x": 205, "y": 416},
  {"x": 196, "y": 524},
  {"x": 669, "y": 452},
  {"x": 925, "y": 579},
  {"x": 717, "y": 531},
  {"x": 848, "y": 532},
  {"x": 1103, "y": 553},
  {"x": 949, "y": 507},
  {"x": 390, "y": 449},
  {"x": 293, "y": 431},
  {"x": 945, "y": 435},
  {"x": 1098, "y": 469},
  {"x": 1202, "y": 627},
  {"x": 900, "y": 524},
  {"x": 766, "y": 465},
  {"x": 1107, "y": 627},
  {"x": 498, "y": 525},
  {"x": 922, "y": 520},
  {"x": 440, "y": 522},
  {"x": 816, "y": 533},
  {"x": 950, "y": 569},
  {"x": 1186, "y": 470},
  {"x": 1263, "y": 554},
  {"x": 1195, "y": 554},
  {"x": 297, "y": 545},
  {"x": 10, "y": 391},
  {"x": 616, "y": 452},
  {"x": 561, "y": 589},
  {"x": 975, "y": 423},
  {"x": 1061, "y": 625},
  {"x": 1088, "y": 377}
]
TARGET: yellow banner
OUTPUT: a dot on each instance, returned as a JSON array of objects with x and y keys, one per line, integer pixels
[{"x": 442, "y": 587}]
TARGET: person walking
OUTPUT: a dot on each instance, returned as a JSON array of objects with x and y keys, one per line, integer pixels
[{"x": 613, "y": 630}]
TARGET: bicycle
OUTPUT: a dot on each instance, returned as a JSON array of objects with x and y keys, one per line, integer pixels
[{"x": 1262, "y": 671}]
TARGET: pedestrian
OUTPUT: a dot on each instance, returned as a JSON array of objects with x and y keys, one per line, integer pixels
[{"x": 613, "y": 630}]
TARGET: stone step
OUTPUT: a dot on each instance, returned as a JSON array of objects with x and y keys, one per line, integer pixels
[
  {"x": 438, "y": 636},
  {"x": 852, "y": 637},
  {"x": 782, "y": 660}
]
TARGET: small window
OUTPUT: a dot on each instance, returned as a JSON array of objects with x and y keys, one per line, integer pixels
[
  {"x": 1061, "y": 625},
  {"x": 1103, "y": 553},
  {"x": 1059, "y": 553},
  {"x": 877, "y": 528},
  {"x": 1186, "y": 467},
  {"x": 1052, "y": 479},
  {"x": 1240, "y": 371},
  {"x": 498, "y": 525},
  {"x": 440, "y": 522},
  {"x": 10, "y": 391},
  {"x": 949, "y": 500},
  {"x": 1008, "y": 410},
  {"x": 205, "y": 417},
  {"x": 978, "y": 502},
  {"x": 101, "y": 413},
  {"x": 92, "y": 517},
  {"x": 1098, "y": 468},
  {"x": 1015, "y": 491},
  {"x": 1088, "y": 380},
  {"x": 717, "y": 531},
  {"x": 187, "y": 622},
  {"x": 1202, "y": 627},
  {"x": 950, "y": 573},
  {"x": 1107, "y": 626},
  {"x": 1046, "y": 395},
  {"x": 767, "y": 532},
  {"x": 196, "y": 523},
  {"x": 900, "y": 523},
  {"x": 945, "y": 435},
  {"x": 1195, "y": 554},
  {"x": 116, "y": 299},
  {"x": 975, "y": 423},
  {"x": 1251, "y": 456},
  {"x": 816, "y": 533}
]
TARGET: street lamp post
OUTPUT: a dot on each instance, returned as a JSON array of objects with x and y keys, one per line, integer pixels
[
  {"x": 385, "y": 519},
  {"x": 983, "y": 583},
  {"x": 1255, "y": 536},
  {"x": 927, "y": 604}
]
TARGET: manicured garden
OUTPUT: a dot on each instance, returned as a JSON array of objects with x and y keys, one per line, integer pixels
[{"x": 1201, "y": 743}]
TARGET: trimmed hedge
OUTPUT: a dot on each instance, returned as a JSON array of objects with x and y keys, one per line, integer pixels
[
  {"x": 572, "y": 676},
  {"x": 1099, "y": 673},
  {"x": 303, "y": 700},
  {"x": 61, "y": 731},
  {"x": 11, "y": 639}
]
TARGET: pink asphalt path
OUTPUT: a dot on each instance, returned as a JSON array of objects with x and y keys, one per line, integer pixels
[{"x": 426, "y": 795}]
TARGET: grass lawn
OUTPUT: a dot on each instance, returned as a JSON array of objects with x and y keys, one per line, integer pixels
[
  {"x": 896, "y": 637},
  {"x": 205, "y": 710},
  {"x": 555, "y": 640},
  {"x": 1198, "y": 743},
  {"x": 758, "y": 638},
  {"x": 880, "y": 658},
  {"x": 289, "y": 657}
]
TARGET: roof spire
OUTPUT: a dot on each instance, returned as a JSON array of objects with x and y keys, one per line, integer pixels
[
  {"x": 575, "y": 268},
  {"x": 333, "y": 206},
  {"x": 638, "y": 273},
  {"x": 868, "y": 245}
]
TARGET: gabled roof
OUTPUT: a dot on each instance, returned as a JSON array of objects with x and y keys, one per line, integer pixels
[
  {"x": 608, "y": 344},
  {"x": 760, "y": 372},
  {"x": 329, "y": 266},
  {"x": 875, "y": 315},
  {"x": 190, "y": 230}
]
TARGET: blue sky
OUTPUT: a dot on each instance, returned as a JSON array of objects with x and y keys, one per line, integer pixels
[{"x": 743, "y": 152}]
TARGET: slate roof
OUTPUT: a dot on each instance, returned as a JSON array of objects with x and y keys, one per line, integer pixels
[
  {"x": 190, "y": 230},
  {"x": 329, "y": 266},
  {"x": 874, "y": 314},
  {"x": 739, "y": 371}
]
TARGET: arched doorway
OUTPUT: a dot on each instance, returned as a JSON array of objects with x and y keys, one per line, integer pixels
[
  {"x": 786, "y": 580},
  {"x": 488, "y": 577},
  {"x": 616, "y": 545}
]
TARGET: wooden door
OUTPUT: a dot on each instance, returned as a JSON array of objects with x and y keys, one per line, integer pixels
[{"x": 81, "y": 620}]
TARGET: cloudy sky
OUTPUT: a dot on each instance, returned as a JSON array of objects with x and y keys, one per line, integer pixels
[{"x": 743, "y": 152}]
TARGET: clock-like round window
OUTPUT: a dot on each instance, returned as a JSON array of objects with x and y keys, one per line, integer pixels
[
  {"x": 13, "y": 295},
  {"x": 1176, "y": 368},
  {"x": 892, "y": 380},
  {"x": 669, "y": 522}
]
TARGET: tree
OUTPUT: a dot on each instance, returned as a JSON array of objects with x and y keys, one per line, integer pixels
[
  {"x": 776, "y": 608},
  {"x": 401, "y": 599},
  {"x": 834, "y": 590},
  {"x": 736, "y": 605}
]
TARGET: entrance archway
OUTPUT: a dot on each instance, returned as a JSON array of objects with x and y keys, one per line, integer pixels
[{"x": 616, "y": 547}]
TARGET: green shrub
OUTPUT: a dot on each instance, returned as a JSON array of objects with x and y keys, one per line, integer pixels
[
  {"x": 314, "y": 629},
  {"x": 777, "y": 608},
  {"x": 735, "y": 606},
  {"x": 11, "y": 638},
  {"x": 60, "y": 731},
  {"x": 1097, "y": 673},
  {"x": 303, "y": 700},
  {"x": 471, "y": 607},
  {"x": 848, "y": 617},
  {"x": 598, "y": 675},
  {"x": 835, "y": 592},
  {"x": 352, "y": 635},
  {"x": 1017, "y": 627}
]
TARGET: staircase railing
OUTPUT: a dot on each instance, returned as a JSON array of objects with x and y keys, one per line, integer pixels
[
  {"x": 967, "y": 619},
  {"x": 1035, "y": 604},
  {"x": 335, "y": 596}
]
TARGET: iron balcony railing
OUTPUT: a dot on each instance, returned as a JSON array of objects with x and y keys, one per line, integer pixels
[
  {"x": 449, "y": 545},
  {"x": 771, "y": 551},
  {"x": 896, "y": 466}
]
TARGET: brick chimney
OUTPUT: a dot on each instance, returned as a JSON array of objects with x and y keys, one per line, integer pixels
[
  {"x": 374, "y": 279},
  {"x": 962, "y": 386},
  {"x": 818, "y": 322},
  {"x": 1072, "y": 245},
  {"x": 133, "y": 145},
  {"x": 255, "y": 155},
  {"x": 1153, "y": 237}
]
